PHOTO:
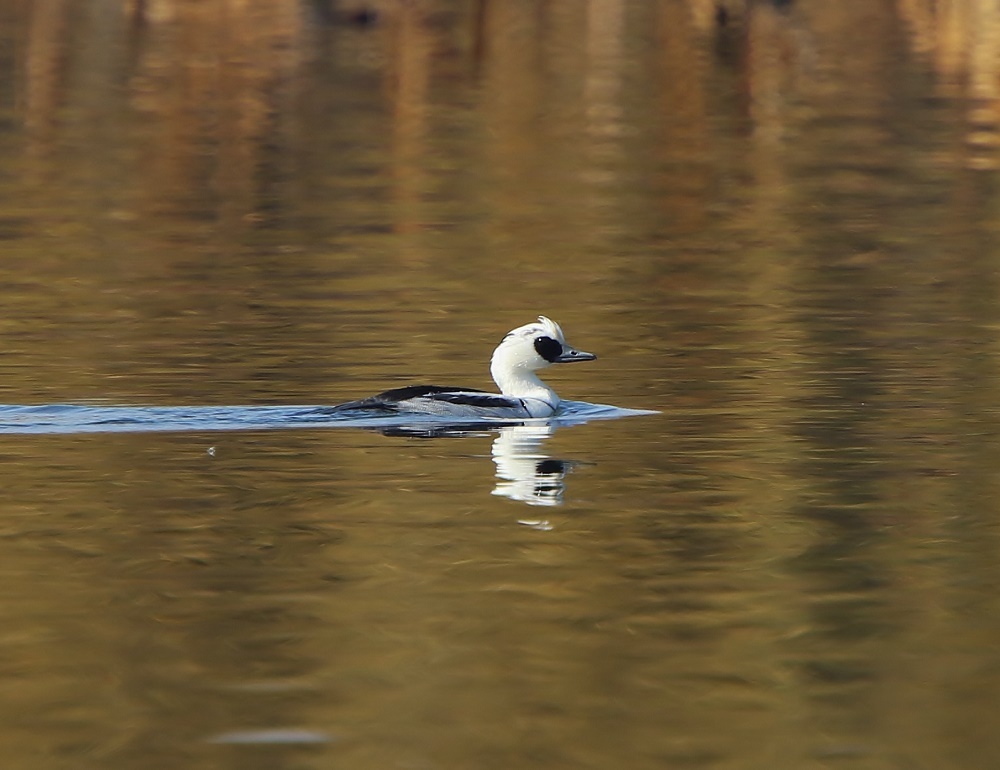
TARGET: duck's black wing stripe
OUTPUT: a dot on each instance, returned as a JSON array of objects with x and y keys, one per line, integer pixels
[
  {"x": 416, "y": 391},
  {"x": 476, "y": 398},
  {"x": 389, "y": 400}
]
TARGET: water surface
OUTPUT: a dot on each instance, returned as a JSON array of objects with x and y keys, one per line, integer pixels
[{"x": 775, "y": 224}]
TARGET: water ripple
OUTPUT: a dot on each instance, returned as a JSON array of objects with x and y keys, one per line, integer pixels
[
  {"x": 290, "y": 735},
  {"x": 83, "y": 418}
]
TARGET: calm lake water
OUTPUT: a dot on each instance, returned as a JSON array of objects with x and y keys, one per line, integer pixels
[{"x": 778, "y": 226}]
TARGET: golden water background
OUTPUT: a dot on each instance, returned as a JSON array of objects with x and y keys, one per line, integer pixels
[{"x": 775, "y": 222}]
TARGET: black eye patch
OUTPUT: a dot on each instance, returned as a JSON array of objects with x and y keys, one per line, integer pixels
[{"x": 548, "y": 348}]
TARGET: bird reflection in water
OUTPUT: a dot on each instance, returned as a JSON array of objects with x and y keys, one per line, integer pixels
[{"x": 524, "y": 472}]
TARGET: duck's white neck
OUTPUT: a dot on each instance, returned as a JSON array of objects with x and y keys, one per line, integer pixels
[{"x": 521, "y": 382}]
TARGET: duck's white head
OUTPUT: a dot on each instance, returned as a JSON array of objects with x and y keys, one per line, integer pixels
[{"x": 527, "y": 349}]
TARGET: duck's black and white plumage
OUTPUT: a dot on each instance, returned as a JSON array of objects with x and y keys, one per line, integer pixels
[{"x": 519, "y": 355}]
